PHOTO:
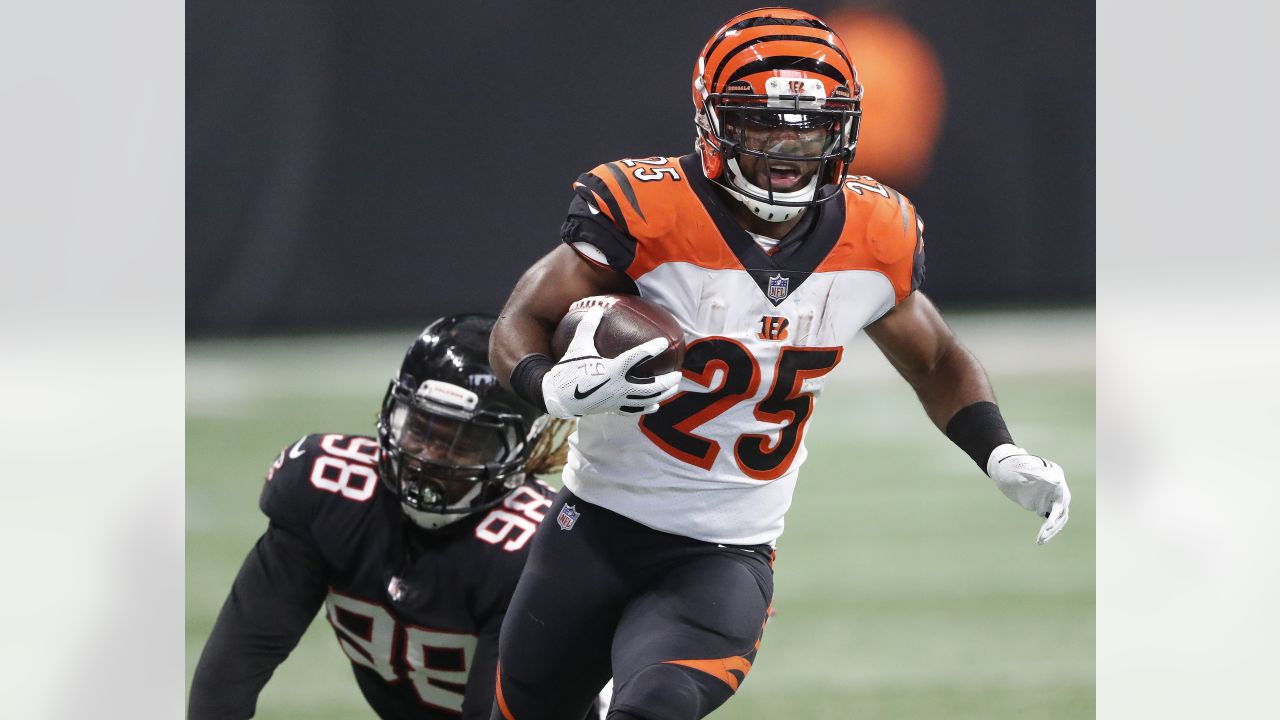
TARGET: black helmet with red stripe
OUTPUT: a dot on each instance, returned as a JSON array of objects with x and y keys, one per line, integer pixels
[{"x": 777, "y": 108}]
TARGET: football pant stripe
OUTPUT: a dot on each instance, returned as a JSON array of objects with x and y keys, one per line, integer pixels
[
  {"x": 497, "y": 694},
  {"x": 720, "y": 668}
]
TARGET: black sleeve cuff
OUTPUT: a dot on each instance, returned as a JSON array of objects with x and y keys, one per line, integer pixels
[
  {"x": 526, "y": 378},
  {"x": 978, "y": 429}
]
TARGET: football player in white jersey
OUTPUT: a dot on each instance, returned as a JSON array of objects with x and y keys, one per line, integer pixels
[{"x": 657, "y": 560}]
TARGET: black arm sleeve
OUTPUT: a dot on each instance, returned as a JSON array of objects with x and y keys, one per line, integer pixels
[
  {"x": 281, "y": 585},
  {"x": 978, "y": 428}
]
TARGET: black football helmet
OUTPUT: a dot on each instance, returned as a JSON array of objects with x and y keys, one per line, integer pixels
[{"x": 453, "y": 440}]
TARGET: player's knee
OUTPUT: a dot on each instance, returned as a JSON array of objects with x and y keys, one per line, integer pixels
[
  {"x": 667, "y": 692},
  {"x": 549, "y": 700}
]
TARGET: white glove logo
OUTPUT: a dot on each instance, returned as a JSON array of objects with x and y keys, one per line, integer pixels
[
  {"x": 1037, "y": 484},
  {"x": 584, "y": 383}
]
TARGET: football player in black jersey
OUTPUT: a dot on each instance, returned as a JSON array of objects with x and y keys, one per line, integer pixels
[{"x": 412, "y": 542}]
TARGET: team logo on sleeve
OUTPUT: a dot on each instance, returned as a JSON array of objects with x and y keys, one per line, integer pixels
[
  {"x": 567, "y": 517},
  {"x": 778, "y": 286}
]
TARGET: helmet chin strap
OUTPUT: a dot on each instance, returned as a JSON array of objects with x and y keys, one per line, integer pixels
[{"x": 765, "y": 210}]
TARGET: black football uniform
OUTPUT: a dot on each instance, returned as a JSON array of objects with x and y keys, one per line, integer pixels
[
  {"x": 677, "y": 621},
  {"x": 417, "y": 613}
]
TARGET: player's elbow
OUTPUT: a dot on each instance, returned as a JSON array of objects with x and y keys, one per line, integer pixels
[
  {"x": 948, "y": 358},
  {"x": 502, "y": 355},
  {"x": 213, "y": 697},
  {"x": 519, "y": 331}
]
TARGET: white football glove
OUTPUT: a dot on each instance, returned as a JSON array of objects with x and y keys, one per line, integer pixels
[
  {"x": 1033, "y": 482},
  {"x": 583, "y": 383}
]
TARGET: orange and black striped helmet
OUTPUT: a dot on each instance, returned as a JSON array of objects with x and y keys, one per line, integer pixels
[{"x": 785, "y": 70}]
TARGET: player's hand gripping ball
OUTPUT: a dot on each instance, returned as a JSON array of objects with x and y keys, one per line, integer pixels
[{"x": 617, "y": 354}]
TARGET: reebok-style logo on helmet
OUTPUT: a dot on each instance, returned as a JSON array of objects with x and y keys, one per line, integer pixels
[{"x": 777, "y": 108}]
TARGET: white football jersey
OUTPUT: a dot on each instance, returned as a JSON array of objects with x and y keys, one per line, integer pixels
[{"x": 719, "y": 461}]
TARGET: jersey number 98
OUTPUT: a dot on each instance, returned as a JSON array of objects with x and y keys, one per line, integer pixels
[{"x": 435, "y": 661}]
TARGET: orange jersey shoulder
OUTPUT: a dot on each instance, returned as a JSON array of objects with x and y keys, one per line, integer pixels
[
  {"x": 650, "y": 200},
  {"x": 882, "y": 232},
  {"x": 655, "y": 216},
  {"x": 639, "y": 196}
]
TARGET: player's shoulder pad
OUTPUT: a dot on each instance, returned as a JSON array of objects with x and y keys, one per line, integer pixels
[
  {"x": 634, "y": 193},
  {"x": 316, "y": 472},
  {"x": 883, "y": 232},
  {"x": 893, "y": 229},
  {"x": 507, "y": 527}
]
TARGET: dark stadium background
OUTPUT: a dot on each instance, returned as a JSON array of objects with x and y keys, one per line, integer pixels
[{"x": 367, "y": 165}]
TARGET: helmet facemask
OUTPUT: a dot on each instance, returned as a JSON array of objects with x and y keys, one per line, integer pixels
[
  {"x": 445, "y": 460},
  {"x": 789, "y": 65},
  {"x": 784, "y": 150}
]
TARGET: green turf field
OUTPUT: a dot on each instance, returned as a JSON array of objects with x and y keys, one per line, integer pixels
[{"x": 907, "y": 586}]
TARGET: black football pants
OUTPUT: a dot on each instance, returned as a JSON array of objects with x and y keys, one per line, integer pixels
[{"x": 675, "y": 621}]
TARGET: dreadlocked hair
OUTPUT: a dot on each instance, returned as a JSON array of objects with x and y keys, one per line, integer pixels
[{"x": 551, "y": 450}]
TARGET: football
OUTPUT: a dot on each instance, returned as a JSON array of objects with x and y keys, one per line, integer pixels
[{"x": 628, "y": 321}]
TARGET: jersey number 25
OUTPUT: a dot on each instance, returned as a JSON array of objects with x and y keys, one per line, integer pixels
[{"x": 759, "y": 457}]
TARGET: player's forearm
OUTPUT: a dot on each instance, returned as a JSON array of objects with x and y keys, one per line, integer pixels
[
  {"x": 955, "y": 381},
  {"x": 525, "y": 325},
  {"x": 226, "y": 683},
  {"x": 520, "y": 346},
  {"x": 275, "y": 596},
  {"x": 958, "y": 398},
  {"x": 517, "y": 334},
  {"x": 948, "y": 379}
]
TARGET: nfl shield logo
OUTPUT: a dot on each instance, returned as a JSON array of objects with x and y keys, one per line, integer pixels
[
  {"x": 567, "y": 517},
  {"x": 778, "y": 287}
]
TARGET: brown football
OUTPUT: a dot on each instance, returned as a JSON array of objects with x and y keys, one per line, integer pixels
[{"x": 628, "y": 321}]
